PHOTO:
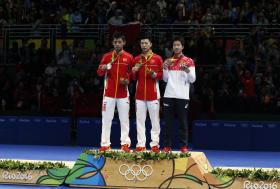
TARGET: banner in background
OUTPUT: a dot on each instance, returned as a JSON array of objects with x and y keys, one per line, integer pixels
[{"x": 131, "y": 32}]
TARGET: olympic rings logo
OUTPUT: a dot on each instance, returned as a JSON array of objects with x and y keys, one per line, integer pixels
[{"x": 135, "y": 172}]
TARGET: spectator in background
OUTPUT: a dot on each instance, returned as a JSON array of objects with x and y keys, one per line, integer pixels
[
  {"x": 111, "y": 11},
  {"x": 50, "y": 70},
  {"x": 81, "y": 53},
  {"x": 128, "y": 11},
  {"x": 16, "y": 14},
  {"x": 180, "y": 12},
  {"x": 3, "y": 20},
  {"x": 24, "y": 51},
  {"x": 192, "y": 20},
  {"x": 118, "y": 18},
  {"x": 246, "y": 13},
  {"x": 139, "y": 14},
  {"x": 208, "y": 18},
  {"x": 27, "y": 5},
  {"x": 74, "y": 91},
  {"x": 75, "y": 20},
  {"x": 272, "y": 52},
  {"x": 14, "y": 54},
  {"x": 162, "y": 6},
  {"x": 65, "y": 56},
  {"x": 51, "y": 101},
  {"x": 237, "y": 11},
  {"x": 259, "y": 19},
  {"x": 6, "y": 94},
  {"x": 32, "y": 58},
  {"x": 168, "y": 52},
  {"x": 91, "y": 17},
  {"x": 45, "y": 56},
  {"x": 95, "y": 55},
  {"x": 101, "y": 8},
  {"x": 21, "y": 96},
  {"x": 234, "y": 15},
  {"x": 36, "y": 97},
  {"x": 152, "y": 15},
  {"x": 248, "y": 90},
  {"x": 65, "y": 20}
]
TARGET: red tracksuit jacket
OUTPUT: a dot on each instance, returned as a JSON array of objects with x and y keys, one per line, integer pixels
[
  {"x": 121, "y": 68},
  {"x": 147, "y": 87}
]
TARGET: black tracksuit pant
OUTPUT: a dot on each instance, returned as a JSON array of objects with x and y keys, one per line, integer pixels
[{"x": 172, "y": 107}]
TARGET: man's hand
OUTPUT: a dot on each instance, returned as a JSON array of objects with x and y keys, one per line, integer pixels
[
  {"x": 124, "y": 81},
  {"x": 185, "y": 68},
  {"x": 151, "y": 72},
  {"x": 167, "y": 63},
  {"x": 104, "y": 67},
  {"x": 136, "y": 68}
]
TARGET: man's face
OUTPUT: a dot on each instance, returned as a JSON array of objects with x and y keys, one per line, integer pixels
[
  {"x": 177, "y": 47},
  {"x": 145, "y": 45},
  {"x": 118, "y": 44},
  {"x": 247, "y": 74}
]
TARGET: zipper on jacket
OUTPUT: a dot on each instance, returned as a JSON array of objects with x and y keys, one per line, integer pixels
[
  {"x": 116, "y": 89},
  {"x": 145, "y": 82}
]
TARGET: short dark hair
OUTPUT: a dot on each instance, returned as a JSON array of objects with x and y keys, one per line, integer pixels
[
  {"x": 146, "y": 36},
  {"x": 181, "y": 39},
  {"x": 118, "y": 35}
]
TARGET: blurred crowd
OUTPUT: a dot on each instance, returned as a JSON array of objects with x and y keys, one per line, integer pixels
[
  {"x": 243, "y": 76},
  {"x": 72, "y": 12},
  {"x": 233, "y": 75}
]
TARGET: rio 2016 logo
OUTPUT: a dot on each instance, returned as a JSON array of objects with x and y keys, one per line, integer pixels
[
  {"x": 259, "y": 185},
  {"x": 16, "y": 176}
]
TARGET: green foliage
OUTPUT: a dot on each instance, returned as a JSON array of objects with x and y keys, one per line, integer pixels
[
  {"x": 55, "y": 177},
  {"x": 24, "y": 166},
  {"x": 254, "y": 174},
  {"x": 136, "y": 157}
]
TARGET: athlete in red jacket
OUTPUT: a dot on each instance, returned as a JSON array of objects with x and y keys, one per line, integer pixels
[
  {"x": 115, "y": 66},
  {"x": 147, "y": 71}
]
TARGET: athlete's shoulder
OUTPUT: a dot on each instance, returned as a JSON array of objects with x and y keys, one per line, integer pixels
[
  {"x": 137, "y": 57},
  {"x": 125, "y": 53},
  {"x": 155, "y": 55},
  {"x": 108, "y": 54},
  {"x": 189, "y": 60},
  {"x": 106, "y": 57},
  {"x": 158, "y": 57}
]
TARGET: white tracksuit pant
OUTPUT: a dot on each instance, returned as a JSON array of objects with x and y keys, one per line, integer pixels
[
  {"x": 108, "y": 109},
  {"x": 141, "y": 112}
]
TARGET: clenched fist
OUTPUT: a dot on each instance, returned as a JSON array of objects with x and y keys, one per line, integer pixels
[
  {"x": 167, "y": 63},
  {"x": 136, "y": 68}
]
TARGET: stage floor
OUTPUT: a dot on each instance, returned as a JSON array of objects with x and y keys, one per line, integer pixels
[
  {"x": 224, "y": 159},
  {"x": 216, "y": 158}
]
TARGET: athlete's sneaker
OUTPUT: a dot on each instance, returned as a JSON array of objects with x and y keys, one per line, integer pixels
[
  {"x": 140, "y": 149},
  {"x": 155, "y": 149},
  {"x": 125, "y": 148},
  {"x": 104, "y": 148},
  {"x": 167, "y": 149},
  {"x": 184, "y": 149}
]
